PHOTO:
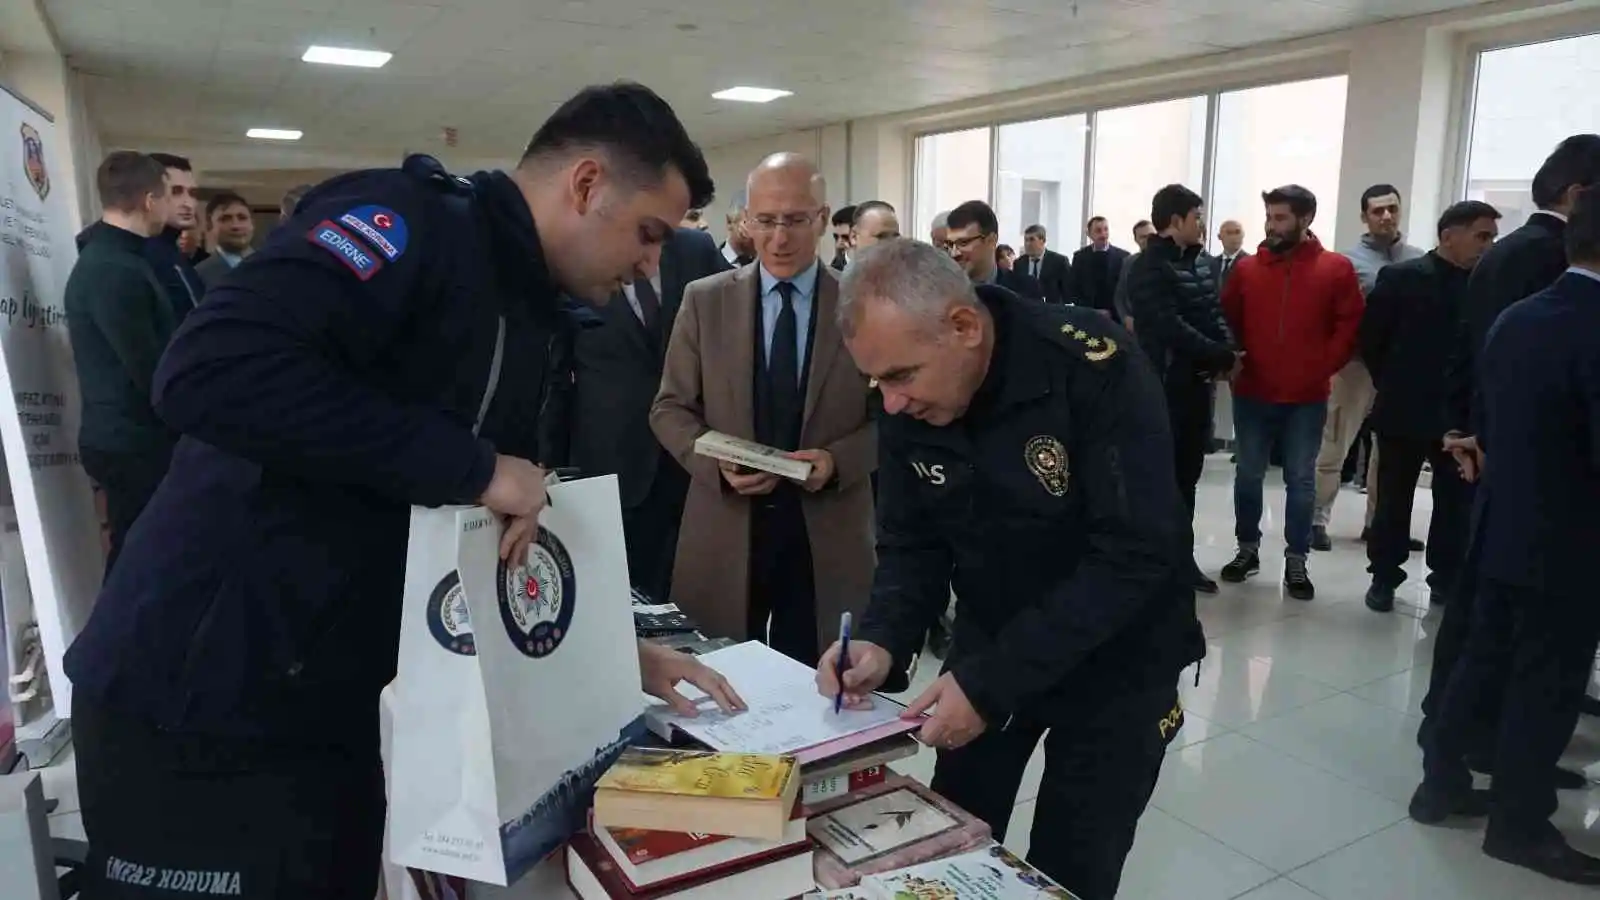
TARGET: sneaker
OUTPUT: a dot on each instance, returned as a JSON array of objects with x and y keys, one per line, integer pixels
[
  {"x": 1296, "y": 579},
  {"x": 1245, "y": 563},
  {"x": 1320, "y": 539},
  {"x": 1380, "y": 598},
  {"x": 1202, "y": 584}
]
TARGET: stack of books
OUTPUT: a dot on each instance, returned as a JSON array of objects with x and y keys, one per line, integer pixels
[
  {"x": 991, "y": 873},
  {"x": 694, "y": 825},
  {"x": 892, "y": 825}
]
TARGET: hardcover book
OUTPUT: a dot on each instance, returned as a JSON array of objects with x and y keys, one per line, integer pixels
[{"x": 737, "y": 794}]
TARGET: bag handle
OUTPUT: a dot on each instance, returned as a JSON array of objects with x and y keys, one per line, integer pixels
[{"x": 494, "y": 374}]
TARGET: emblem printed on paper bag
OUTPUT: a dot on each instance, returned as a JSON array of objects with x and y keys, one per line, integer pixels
[
  {"x": 448, "y": 621},
  {"x": 1047, "y": 460},
  {"x": 33, "y": 161},
  {"x": 537, "y": 597}
]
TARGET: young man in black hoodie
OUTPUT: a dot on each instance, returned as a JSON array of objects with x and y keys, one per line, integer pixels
[
  {"x": 164, "y": 252},
  {"x": 120, "y": 317}
]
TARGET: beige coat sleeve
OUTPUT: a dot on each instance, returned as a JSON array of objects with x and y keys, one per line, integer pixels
[{"x": 678, "y": 415}]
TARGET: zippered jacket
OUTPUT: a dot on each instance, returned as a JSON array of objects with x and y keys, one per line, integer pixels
[{"x": 1295, "y": 314}]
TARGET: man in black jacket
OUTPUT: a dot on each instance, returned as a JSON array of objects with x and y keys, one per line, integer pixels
[
  {"x": 1026, "y": 463},
  {"x": 1522, "y": 263},
  {"x": 119, "y": 319},
  {"x": 1405, "y": 340},
  {"x": 1173, "y": 292},
  {"x": 1097, "y": 268},
  {"x": 167, "y": 260},
  {"x": 1052, "y": 270},
  {"x": 618, "y": 374}
]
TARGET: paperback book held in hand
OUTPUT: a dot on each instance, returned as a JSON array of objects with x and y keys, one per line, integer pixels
[
  {"x": 752, "y": 455},
  {"x": 502, "y": 724}
]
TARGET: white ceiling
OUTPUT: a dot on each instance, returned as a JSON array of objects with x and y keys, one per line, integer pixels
[{"x": 199, "y": 72}]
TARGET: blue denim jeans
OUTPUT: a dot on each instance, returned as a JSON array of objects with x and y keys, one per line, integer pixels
[{"x": 1297, "y": 430}]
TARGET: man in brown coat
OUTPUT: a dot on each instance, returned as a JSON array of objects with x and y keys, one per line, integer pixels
[{"x": 756, "y": 353}]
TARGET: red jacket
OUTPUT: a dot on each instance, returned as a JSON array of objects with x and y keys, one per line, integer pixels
[{"x": 1295, "y": 316}]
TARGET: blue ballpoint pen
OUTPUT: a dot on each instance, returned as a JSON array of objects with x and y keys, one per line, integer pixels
[{"x": 844, "y": 660}]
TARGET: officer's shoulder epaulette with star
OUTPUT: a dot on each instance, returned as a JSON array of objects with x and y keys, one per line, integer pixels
[{"x": 1086, "y": 334}]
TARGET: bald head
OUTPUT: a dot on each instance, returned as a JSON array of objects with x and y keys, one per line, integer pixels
[
  {"x": 1231, "y": 234},
  {"x": 791, "y": 168},
  {"x": 786, "y": 210}
]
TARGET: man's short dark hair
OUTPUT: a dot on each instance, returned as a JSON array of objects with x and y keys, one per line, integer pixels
[
  {"x": 845, "y": 215},
  {"x": 861, "y": 210},
  {"x": 1300, "y": 201},
  {"x": 1093, "y": 219},
  {"x": 172, "y": 161},
  {"x": 1142, "y": 223},
  {"x": 974, "y": 212},
  {"x": 635, "y": 127},
  {"x": 222, "y": 200},
  {"x": 1583, "y": 228},
  {"x": 1036, "y": 231},
  {"x": 1465, "y": 213},
  {"x": 1377, "y": 190},
  {"x": 126, "y": 177},
  {"x": 1575, "y": 161},
  {"x": 1174, "y": 200}
]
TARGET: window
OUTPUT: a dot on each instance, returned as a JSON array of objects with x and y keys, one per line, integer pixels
[
  {"x": 952, "y": 168},
  {"x": 1270, "y": 136},
  {"x": 1040, "y": 180},
  {"x": 1527, "y": 99},
  {"x": 1138, "y": 150}
]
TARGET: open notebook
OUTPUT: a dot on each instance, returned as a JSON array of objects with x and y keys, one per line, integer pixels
[{"x": 786, "y": 715}]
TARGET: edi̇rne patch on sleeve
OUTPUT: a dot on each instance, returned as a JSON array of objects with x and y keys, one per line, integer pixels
[
  {"x": 382, "y": 228},
  {"x": 345, "y": 248}
]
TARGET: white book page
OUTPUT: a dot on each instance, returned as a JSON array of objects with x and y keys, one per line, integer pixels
[{"x": 785, "y": 714}]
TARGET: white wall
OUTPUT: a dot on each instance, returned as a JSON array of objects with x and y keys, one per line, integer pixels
[{"x": 730, "y": 164}]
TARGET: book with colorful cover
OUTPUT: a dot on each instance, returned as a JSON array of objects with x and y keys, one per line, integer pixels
[
  {"x": 993, "y": 873},
  {"x": 703, "y": 773},
  {"x": 889, "y": 826}
]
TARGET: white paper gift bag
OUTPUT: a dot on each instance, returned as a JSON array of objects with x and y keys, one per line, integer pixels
[{"x": 517, "y": 685}]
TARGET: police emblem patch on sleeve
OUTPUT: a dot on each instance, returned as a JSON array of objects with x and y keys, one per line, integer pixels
[
  {"x": 448, "y": 620},
  {"x": 1047, "y": 460},
  {"x": 537, "y": 598},
  {"x": 380, "y": 227},
  {"x": 346, "y": 249}
]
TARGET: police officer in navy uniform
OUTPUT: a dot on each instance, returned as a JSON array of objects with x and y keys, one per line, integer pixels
[
  {"x": 402, "y": 340},
  {"x": 1535, "y": 622},
  {"x": 1026, "y": 462}
]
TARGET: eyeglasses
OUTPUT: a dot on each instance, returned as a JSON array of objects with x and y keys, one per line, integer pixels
[
  {"x": 791, "y": 221},
  {"x": 957, "y": 245}
]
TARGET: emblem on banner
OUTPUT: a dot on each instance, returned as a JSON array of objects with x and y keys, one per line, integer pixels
[
  {"x": 1047, "y": 460},
  {"x": 537, "y": 597},
  {"x": 448, "y": 620},
  {"x": 33, "y": 161}
]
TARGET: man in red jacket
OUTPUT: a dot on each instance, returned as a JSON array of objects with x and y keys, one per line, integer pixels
[{"x": 1294, "y": 309}]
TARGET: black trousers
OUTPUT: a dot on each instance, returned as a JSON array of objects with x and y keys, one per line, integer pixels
[
  {"x": 1100, "y": 769},
  {"x": 783, "y": 596},
  {"x": 1189, "y": 413},
  {"x": 1400, "y": 462},
  {"x": 651, "y": 530},
  {"x": 129, "y": 480},
  {"x": 174, "y": 817},
  {"x": 1536, "y": 650}
]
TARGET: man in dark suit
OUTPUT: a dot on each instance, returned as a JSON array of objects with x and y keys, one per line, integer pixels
[
  {"x": 1052, "y": 270},
  {"x": 1231, "y": 236},
  {"x": 1536, "y": 408},
  {"x": 973, "y": 233},
  {"x": 1406, "y": 337},
  {"x": 618, "y": 373},
  {"x": 1523, "y": 262},
  {"x": 1097, "y": 268}
]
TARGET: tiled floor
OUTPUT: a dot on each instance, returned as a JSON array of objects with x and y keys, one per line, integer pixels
[
  {"x": 1291, "y": 777},
  {"x": 1289, "y": 780}
]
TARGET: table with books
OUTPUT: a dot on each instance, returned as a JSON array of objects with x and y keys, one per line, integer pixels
[{"x": 788, "y": 799}]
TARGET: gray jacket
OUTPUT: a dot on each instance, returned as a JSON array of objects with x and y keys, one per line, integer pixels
[
  {"x": 1119, "y": 297},
  {"x": 1368, "y": 256}
]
